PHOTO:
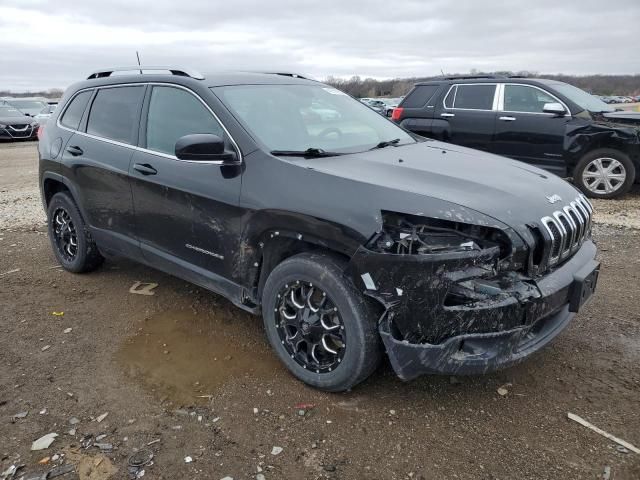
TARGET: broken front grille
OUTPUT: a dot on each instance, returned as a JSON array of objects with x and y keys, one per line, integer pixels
[{"x": 567, "y": 229}]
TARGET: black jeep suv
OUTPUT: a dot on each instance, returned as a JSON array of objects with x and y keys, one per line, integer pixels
[
  {"x": 343, "y": 230},
  {"x": 546, "y": 123}
]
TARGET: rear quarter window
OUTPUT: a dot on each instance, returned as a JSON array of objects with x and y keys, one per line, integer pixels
[
  {"x": 73, "y": 114},
  {"x": 419, "y": 96},
  {"x": 114, "y": 113}
]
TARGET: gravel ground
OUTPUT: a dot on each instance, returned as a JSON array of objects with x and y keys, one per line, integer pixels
[{"x": 184, "y": 373}]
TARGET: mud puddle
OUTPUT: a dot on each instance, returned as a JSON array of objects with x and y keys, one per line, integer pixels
[{"x": 182, "y": 357}]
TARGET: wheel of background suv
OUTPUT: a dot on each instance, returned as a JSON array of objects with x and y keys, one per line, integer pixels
[
  {"x": 70, "y": 240},
  {"x": 604, "y": 173},
  {"x": 321, "y": 327}
]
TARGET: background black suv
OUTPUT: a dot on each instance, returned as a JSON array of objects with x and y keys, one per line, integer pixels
[{"x": 547, "y": 123}]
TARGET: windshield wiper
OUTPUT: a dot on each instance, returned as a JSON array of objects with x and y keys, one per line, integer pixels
[
  {"x": 309, "y": 153},
  {"x": 386, "y": 143}
]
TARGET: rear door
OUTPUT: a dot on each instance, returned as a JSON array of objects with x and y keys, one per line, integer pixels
[
  {"x": 96, "y": 159},
  {"x": 417, "y": 110},
  {"x": 187, "y": 214},
  {"x": 525, "y": 132},
  {"x": 467, "y": 115}
]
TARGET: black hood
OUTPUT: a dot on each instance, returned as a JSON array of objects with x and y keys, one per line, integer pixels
[
  {"x": 626, "y": 117},
  {"x": 439, "y": 180}
]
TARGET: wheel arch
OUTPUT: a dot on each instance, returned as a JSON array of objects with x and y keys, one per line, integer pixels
[
  {"x": 271, "y": 237},
  {"x": 53, "y": 183}
]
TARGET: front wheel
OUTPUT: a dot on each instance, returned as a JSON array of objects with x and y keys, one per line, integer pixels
[
  {"x": 604, "y": 173},
  {"x": 320, "y": 326}
]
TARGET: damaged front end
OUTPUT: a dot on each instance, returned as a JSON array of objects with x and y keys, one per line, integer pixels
[{"x": 461, "y": 298}]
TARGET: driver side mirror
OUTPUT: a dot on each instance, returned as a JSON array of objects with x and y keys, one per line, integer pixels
[
  {"x": 555, "y": 108},
  {"x": 204, "y": 147}
]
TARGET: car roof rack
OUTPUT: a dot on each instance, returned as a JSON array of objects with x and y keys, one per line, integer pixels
[
  {"x": 288, "y": 74},
  {"x": 181, "y": 72},
  {"x": 469, "y": 77}
]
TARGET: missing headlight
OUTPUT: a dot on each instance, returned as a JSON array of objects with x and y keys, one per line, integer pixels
[{"x": 414, "y": 235}]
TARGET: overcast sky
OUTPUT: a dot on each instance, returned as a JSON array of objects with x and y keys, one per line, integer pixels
[{"x": 53, "y": 43}]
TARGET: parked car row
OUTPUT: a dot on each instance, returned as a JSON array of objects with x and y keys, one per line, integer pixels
[
  {"x": 619, "y": 99},
  {"x": 21, "y": 116},
  {"x": 383, "y": 106},
  {"x": 546, "y": 123}
]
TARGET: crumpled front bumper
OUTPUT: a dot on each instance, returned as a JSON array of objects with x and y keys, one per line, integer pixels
[{"x": 528, "y": 322}]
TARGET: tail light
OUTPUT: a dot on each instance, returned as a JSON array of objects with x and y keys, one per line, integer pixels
[
  {"x": 40, "y": 131},
  {"x": 397, "y": 114}
]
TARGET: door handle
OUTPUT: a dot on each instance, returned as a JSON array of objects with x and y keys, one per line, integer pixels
[
  {"x": 75, "y": 150},
  {"x": 144, "y": 168},
  {"x": 447, "y": 114},
  {"x": 507, "y": 119}
]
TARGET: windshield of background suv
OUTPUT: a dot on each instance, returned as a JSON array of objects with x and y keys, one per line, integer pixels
[
  {"x": 10, "y": 112},
  {"x": 299, "y": 117},
  {"x": 28, "y": 104},
  {"x": 583, "y": 99}
]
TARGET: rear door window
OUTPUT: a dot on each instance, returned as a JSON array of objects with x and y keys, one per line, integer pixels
[
  {"x": 75, "y": 110},
  {"x": 419, "y": 96},
  {"x": 474, "y": 97},
  {"x": 174, "y": 113},
  {"x": 114, "y": 113}
]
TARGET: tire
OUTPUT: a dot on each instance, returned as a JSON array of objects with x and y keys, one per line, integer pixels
[
  {"x": 360, "y": 353},
  {"x": 620, "y": 179},
  {"x": 65, "y": 225}
]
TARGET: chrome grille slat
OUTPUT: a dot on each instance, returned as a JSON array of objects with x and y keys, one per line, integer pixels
[{"x": 567, "y": 229}]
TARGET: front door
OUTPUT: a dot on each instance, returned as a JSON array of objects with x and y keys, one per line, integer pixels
[
  {"x": 187, "y": 212},
  {"x": 526, "y": 133}
]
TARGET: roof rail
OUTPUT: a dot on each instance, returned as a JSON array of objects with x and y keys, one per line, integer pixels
[
  {"x": 181, "y": 72},
  {"x": 468, "y": 77},
  {"x": 288, "y": 74}
]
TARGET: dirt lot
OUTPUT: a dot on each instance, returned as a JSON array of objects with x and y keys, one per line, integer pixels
[{"x": 186, "y": 368}]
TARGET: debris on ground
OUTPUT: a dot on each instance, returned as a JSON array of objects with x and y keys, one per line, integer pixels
[
  {"x": 590, "y": 426},
  {"x": 45, "y": 348},
  {"x": 10, "y": 472},
  {"x": 276, "y": 450},
  {"x": 10, "y": 271},
  {"x": 142, "y": 458},
  {"x": 188, "y": 459},
  {"x": 91, "y": 467},
  {"x": 143, "y": 288},
  {"x": 606, "y": 475},
  {"x": 57, "y": 314},
  {"x": 20, "y": 415},
  {"x": 60, "y": 470},
  {"x": 102, "y": 417},
  {"x": 44, "y": 442},
  {"x": 67, "y": 330},
  {"x": 74, "y": 421},
  {"x": 503, "y": 391}
]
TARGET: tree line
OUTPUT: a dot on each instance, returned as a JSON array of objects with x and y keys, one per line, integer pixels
[{"x": 596, "y": 84}]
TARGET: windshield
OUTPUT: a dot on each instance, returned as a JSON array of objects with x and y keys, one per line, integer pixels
[
  {"x": 299, "y": 117},
  {"x": 583, "y": 99},
  {"x": 10, "y": 112},
  {"x": 28, "y": 104}
]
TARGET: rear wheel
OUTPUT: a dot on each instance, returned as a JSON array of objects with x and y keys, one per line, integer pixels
[
  {"x": 320, "y": 326},
  {"x": 71, "y": 242},
  {"x": 604, "y": 173}
]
